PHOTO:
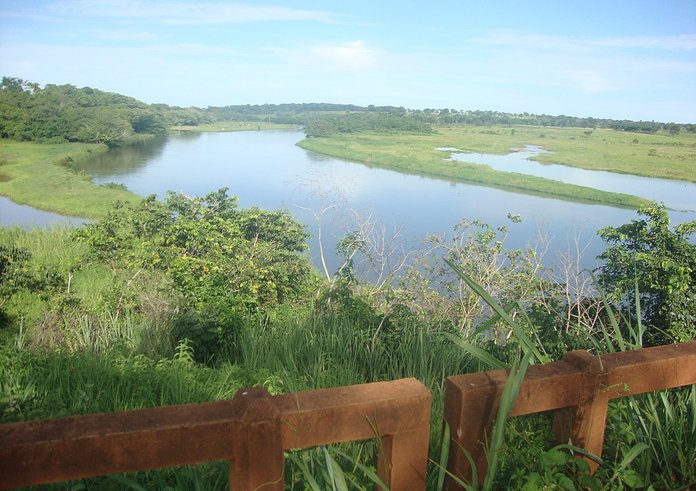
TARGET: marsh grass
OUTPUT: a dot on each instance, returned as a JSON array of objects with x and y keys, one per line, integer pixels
[
  {"x": 615, "y": 151},
  {"x": 659, "y": 154},
  {"x": 117, "y": 355},
  {"x": 40, "y": 175},
  {"x": 650, "y": 439}
]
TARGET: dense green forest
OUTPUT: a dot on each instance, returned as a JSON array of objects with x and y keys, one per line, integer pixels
[
  {"x": 57, "y": 113},
  {"x": 190, "y": 298}
]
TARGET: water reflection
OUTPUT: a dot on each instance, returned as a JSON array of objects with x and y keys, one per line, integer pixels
[
  {"x": 124, "y": 160},
  {"x": 678, "y": 195},
  {"x": 12, "y": 214},
  {"x": 266, "y": 169}
]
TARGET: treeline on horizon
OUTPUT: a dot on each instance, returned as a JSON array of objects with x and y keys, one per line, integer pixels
[{"x": 56, "y": 113}]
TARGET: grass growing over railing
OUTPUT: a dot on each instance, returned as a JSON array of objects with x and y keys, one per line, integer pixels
[
  {"x": 126, "y": 360},
  {"x": 650, "y": 440}
]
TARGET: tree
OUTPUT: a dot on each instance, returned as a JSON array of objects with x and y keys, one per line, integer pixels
[
  {"x": 659, "y": 263},
  {"x": 225, "y": 262}
]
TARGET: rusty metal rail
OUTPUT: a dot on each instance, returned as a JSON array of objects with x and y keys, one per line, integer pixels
[
  {"x": 578, "y": 389},
  {"x": 252, "y": 431}
]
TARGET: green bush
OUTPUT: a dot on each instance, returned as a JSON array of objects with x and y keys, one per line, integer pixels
[
  {"x": 224, "y": 262},
  {"x": 651, "y": 265}
]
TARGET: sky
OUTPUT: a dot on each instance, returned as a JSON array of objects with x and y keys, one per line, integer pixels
[{"x": 606, "y": 59}]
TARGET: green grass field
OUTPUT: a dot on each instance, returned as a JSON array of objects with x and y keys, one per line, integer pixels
[
  {"x": 416, "y": 153},
  {"x": 652, "y": 155},
  {"x": 222, "y": 126},
  {"x": 38, "y": 174}
]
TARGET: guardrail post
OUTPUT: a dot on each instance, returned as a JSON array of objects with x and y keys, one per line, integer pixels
[
  {"x": 259, "y": 460},
  {"x": 471, "y": 403},
  {"x": 583, "y": 424},
  {"x": 402, "y": 460}
]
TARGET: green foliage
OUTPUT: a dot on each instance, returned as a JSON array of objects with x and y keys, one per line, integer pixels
[
  {"x": 58, "y": 113},
  {"x": 417, "y": 153},
  {"x": 648, "y": 262},
  {"x": 560, "y": 469},
  {"x": 234, "y": 284},
  {"x": 477, "y": 253},
  {"x": 390, "y": 122},
  {"x": 651, "y": 438},
  {"x": 18, "y": 272},
  {"x": 224, "y": 261},
  {"x": 336, "y": 467},
  {"x": 664, "y": 424}
]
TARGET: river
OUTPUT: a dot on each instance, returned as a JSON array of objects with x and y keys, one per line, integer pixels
[{"x": 266, "y": 169}]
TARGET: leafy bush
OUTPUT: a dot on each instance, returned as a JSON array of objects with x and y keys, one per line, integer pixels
[
  {"x": 650, "y": 263},
  {"x": 224, "y": 261}
]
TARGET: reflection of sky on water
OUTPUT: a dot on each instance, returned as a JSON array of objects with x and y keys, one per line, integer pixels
[
  {"x": 12, "y": 214},
  {"x": 679, "y": 195},
  {"x": 268, "y": 170}
]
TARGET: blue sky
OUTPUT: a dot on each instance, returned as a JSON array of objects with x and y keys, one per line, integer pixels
[{"x": 616, "y": 59}]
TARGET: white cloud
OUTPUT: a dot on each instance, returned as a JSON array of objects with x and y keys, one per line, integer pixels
[
  {"x": 686, "y": 42},
  {"x": 185, "y": 12},
  {"x": 125, "y": 36},
  {"x": 588, "y": 81},
  {"x": 518, "y": 39},
  {"x": 349, "y": 56},
  {"x": 589, "y": 66}
]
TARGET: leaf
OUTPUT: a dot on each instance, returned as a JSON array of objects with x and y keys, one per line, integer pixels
[
  {"x": 554, "y": 458},
  {"x": 632, "y": 479},
  {"x": 480, "y": 354},
  {"x": 524, "y": 340},
  {"x": 309, "y": 480},
  {"x": 338, "y": 480},
  {"x": 126, "y": 483},
  {"x": 566, "y": 483},
  {"x": 444, "y": 453},
  {"x": 507, "y": 399}
]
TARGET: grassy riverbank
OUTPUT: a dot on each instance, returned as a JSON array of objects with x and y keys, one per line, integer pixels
[
  {"x": 652, "y": 155},
  {"x": 39, "y": 174},
  {"x": 417, "y": 153}
]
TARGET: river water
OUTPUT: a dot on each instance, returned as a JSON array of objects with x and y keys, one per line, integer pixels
[
  {"x": 266, "y": 169},
  {"x": 12, "y": 214},
  {"x": 677, "y": 195}
]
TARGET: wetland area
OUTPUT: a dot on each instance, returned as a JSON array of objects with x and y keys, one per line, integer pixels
[{"x": 267, "y": 169}]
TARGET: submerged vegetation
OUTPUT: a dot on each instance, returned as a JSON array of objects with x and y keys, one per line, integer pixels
[{"x": 191, "y": 298}]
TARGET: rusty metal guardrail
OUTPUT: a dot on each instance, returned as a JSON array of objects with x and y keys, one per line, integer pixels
[
  {"x": 252, "y": 431},
  {"x": 578, "y": 389}
]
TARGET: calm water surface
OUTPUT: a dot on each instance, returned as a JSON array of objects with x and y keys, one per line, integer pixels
[
  {"x": 678, "y": 195},
  {"x": 12, "y": 214},
  {"x": 268, "y": 170}
]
